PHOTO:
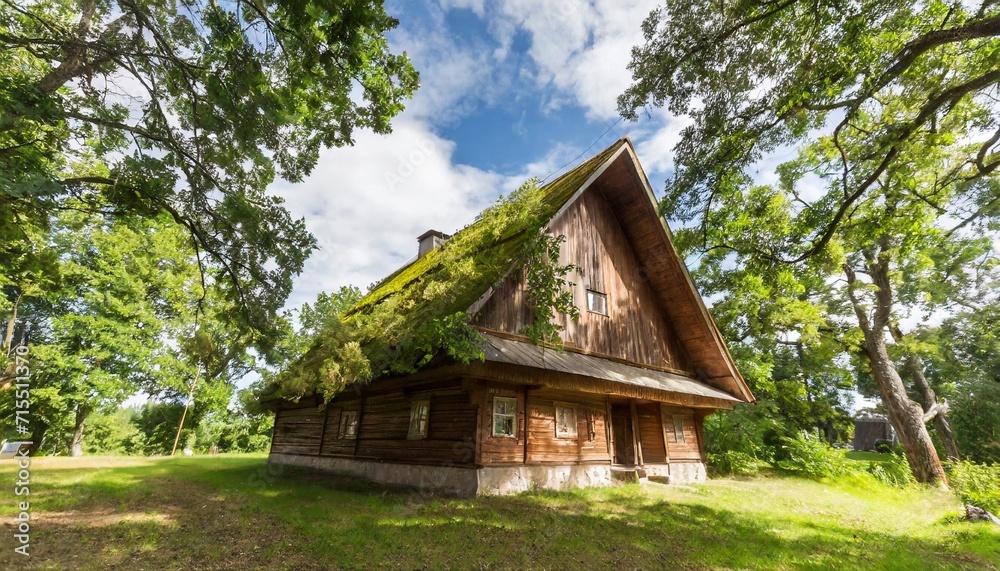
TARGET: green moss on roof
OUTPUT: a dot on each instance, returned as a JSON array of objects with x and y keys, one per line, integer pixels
[
  {"x": 420, "y": 309},
  {"x": 553, "y": 195}
]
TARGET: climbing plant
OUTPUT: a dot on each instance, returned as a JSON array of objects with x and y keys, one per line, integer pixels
[{"x": 421, "y": 312}]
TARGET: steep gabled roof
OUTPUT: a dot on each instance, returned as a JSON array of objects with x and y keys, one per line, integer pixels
[{"x": 615, "y": 173}]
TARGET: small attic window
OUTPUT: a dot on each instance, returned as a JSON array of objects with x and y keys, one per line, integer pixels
[{"x": 597, "y": 302}]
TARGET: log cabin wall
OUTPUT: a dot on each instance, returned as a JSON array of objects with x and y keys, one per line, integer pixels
[
  {"x": 460, "y": 425},
  {"x": 297, "y": 431},
  {"x": 381, "y": 427},
  {"x": 498, "y": 450},
  {"x": 590, "y": 444},
  {"x": 634, "y": 329},
  {"x": 544, "y": 446},
  {"x": 681, "y": 428}
]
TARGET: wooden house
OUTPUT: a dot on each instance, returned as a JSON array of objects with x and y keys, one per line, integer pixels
[{"x": 625, "y": 395}]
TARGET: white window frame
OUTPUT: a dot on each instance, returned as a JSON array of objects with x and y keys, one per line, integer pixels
[
  {"x": 592, "y": 297},
  {"x": 420, "y": 419},
  {"x": 348, "y": 429},
  {"x": 507, "y": 414},
  {"x": 561, "y": 410}
]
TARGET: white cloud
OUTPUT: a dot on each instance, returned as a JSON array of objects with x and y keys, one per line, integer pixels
[
  {"x": 366, "y": 204},
  {"x": 581, "y": 49}
]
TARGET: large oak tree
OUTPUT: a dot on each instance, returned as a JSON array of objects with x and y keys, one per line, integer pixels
[
  {"x": 899, "y": 99},
  {"x": 188, "y": 108}
]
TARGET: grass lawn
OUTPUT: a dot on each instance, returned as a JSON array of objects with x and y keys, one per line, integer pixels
[
  {"x": 867, "y": 456},
  {"x": 233, "y": 512}
]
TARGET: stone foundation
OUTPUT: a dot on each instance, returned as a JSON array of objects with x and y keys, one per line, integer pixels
[
  {"x": 489, "y": 480},
  {"x": 513, "y": 479},
  {"x": 451, "y": 480},
  {"x": 687, "y": 473}
]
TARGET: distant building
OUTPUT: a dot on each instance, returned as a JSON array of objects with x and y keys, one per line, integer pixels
[{"x": 869, "y": 431}]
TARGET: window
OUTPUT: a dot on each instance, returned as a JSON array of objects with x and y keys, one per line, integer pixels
[
  {"x": 349, "y": 424},
  {"x": 679, "y": 429},
  {"x": 597, "y": 302},
  {"x": 504, "y": 415},
  {"x": 419, "y": 413},
  {"x": 565, "y": 422}
]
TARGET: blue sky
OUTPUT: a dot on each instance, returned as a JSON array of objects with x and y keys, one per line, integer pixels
[{"x": 510, "y": 89}]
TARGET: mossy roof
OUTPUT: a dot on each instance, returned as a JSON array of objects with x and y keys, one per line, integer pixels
[
  {"x": 554, "y": 196},
  {"x": 503, "y": 249}
]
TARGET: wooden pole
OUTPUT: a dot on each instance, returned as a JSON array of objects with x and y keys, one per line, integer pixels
[{"x": 186, "y": 406}]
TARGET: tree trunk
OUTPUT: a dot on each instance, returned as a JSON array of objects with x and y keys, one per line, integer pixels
[
  {"x": 9, "y": 373},
  {"x": 76, "y": 448},
  {"x": 38, "y": 431},
  {"x": 906, "y": 416},
  {"x": 928, "y": 399},
  {"x": 8, "y": 337}
]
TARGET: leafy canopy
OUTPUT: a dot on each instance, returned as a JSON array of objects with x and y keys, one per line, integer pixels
[
  {"x": 189, "y": 109},
  {"x": 894, "y": 77}
]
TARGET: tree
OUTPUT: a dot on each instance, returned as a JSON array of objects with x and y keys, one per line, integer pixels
[
  {"x": 965, "y": 362},
  {"x": 890, "y": 98},
  {"x": 99, "y": 338},
  {"x": 758, "y": 76},
  {"x": 187, "y": 109}
]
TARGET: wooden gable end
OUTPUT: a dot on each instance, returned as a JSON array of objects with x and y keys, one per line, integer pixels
[
  {"x": 656, "y": 316},
  {"x": 634, "y": 329}
]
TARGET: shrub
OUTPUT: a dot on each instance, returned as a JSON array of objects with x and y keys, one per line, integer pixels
[
  {"x": 883, "y": 446},
  {"x": 738, "y": 442},
  {"x": 894, "y": 471},
  {"x": 807, "y": 456},
  {"x": 976, "y": 484},
  {"x": 735, "y": 463}
]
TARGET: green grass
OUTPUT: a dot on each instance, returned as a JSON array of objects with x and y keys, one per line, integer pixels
[
  {"x": 233, "y": 512},
  {"x": 867, "y": 456}
]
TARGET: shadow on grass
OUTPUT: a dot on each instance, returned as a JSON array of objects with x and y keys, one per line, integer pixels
[{"x": 236, "y": 514}]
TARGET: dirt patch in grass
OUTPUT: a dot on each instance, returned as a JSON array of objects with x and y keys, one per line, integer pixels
[{"x": 182, "y": 525}]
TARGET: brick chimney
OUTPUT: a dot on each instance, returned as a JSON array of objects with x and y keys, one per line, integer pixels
[{"x": 429, "y": 240}]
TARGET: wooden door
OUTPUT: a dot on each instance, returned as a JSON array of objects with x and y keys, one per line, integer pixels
[{"x": 621, "y": 429}]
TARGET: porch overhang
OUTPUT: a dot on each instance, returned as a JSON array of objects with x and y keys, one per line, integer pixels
[{"x": 522, "y": 353}]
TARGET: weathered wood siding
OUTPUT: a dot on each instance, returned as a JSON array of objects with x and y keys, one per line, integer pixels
[
  {"x": 651, "y": 433},
  {"x": 383, "y": 427},
  {"x": 538, "y": 428},
  {"x": 591, "y": 442},
  {"x": 690, "y": 448},
  {"x": 297, "y": 431},
  {"x": 499, "y": 449},
  {"x": 635, "y": 328},
  {"x": 385, "y": 422}
]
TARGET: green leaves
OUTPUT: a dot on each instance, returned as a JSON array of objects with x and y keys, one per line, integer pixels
[
  {"x": 882, "y": 86},
  {"x": 420, "y": 313},
  {"x": 549, "y": 290},
  {"x": 218, "y": 100}
]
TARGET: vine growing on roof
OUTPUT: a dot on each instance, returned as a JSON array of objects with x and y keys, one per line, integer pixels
[{"x": 421, "y": 312}]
